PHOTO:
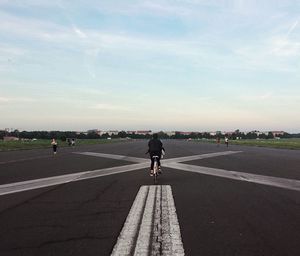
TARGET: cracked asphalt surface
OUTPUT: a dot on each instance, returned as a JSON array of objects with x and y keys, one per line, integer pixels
[{"x": 217, "y": 216}]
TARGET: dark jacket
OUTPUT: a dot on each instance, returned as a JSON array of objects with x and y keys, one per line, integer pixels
[{"x": 155, "y": 145}]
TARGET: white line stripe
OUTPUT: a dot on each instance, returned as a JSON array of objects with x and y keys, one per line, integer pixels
[
  {"x": 171, "y": 163},
  {"x": 37, "y": 183},
  {"x": 126, "y": 239},
  {"x": 112, "y": 170},
  {"x": 171, "y": 160},
  {"x": 197, "y": 157},
  {"x": 117, "y": 157},
  {"x": 241, "y": 176},
  {"x": 159, "y": 229},
  {"x": 171, "y": 238},
  {"x": 61, "y": 179},
  {"x": 143, "y": 240}
]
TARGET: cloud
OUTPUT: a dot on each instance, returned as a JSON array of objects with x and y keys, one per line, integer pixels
[
  {"x": 292, "y": 28},
  {"x": 167, "y": 8},
  {"x": 284, "y": 47},
  {"x": 92, "y": 91},
  {"x": 9, "y": 56},
  {"x": 79, "y": 32},
  {"x": 157, "y": 8},
  {"x": 9, "y": 50},
  {"x": 199, "y": 50},
  {"x": 4, "y": 100},
  {"x": 186, "y": 9},
  {"x": 276, "y": 99},
  {"x": 30, "y": 27},
  {"x": 53, "y": 33},
  {"x": 274, "y": 53},
  {"x": 30, "y": 3},
  {"x": 93, "y": 42},
  {"x": 16, "y": 99},
  {"x": 107, "y": 106},
  {"x": 258, "y": 97},
  {"x": 132, "y": 52}
]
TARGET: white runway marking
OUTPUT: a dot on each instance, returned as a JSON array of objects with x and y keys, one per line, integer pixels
[
  {"x": 241, "y": 176},
  {"x": 38, "y": 183},
  {"x": 171, "y": 160},
  {"x": 142, "y": 163},
  {"x": 152, "y": 227},
  {"x": 56, "y": 180},
  {"x": 117, "y": 157},
  {"x": 197, "y": 157},
  {"x": 145, "y": 230},
  {"x": 129, "y": 232}
]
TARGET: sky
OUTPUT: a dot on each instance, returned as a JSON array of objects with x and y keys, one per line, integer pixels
[{"x": 189, "y": 65}]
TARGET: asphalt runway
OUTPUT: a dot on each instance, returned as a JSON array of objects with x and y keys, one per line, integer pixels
[{"x": 228, "y": 201}]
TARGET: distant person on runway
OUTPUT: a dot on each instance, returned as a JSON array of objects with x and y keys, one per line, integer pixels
[
  {"x": 155, "y": 148},
  {"x": 218, "y": 141},
  {"x": 54, "y": 146},
  {"x": 226, "y": 141}
]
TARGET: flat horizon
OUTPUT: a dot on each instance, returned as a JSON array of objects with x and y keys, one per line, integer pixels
[{"x": 153, "y": 131}]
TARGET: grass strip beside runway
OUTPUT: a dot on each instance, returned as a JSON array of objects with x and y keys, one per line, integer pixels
[
  {"x": 41, "y": 143},
  {"x": 270, "y": 143}
]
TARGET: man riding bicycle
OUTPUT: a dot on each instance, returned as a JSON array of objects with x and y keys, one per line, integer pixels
[{"x": 155, "y": 148}]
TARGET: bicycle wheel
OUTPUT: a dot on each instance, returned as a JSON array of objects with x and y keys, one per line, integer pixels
[{"x": 155, "y": 171}]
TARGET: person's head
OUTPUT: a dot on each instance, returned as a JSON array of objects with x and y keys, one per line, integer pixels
[{"x": 155, "y": 136}]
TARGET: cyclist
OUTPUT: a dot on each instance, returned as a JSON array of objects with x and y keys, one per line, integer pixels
[{"x": 155, "y": 148}]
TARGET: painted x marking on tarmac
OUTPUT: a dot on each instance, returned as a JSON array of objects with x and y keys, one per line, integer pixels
[
  {"x": 175, "y": 163},
  {"x": 142, "y": 163}
]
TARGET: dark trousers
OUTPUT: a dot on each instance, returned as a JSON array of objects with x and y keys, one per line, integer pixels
[{"x": 152, "y": 159}]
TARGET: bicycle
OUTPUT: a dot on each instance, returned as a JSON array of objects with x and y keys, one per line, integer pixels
[{"x": 155, "y": 169}]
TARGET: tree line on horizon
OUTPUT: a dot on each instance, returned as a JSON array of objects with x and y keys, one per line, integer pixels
[{"x": 64, "y": 135}]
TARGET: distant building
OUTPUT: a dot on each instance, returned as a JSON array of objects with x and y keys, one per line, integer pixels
[
  {"x": 170, "y": 133},
  {"x": 184, "y": 133},
  {"x": 144, "y": 132},
  {"x": 95, "y": 131},
  {"x": 10, "y": 138},
  {"x": 78, "y": 133},
  {"x": 259, "y": 133},
  {"x": 110, "y": 133},
  {"x": 277, "y": 133}
]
